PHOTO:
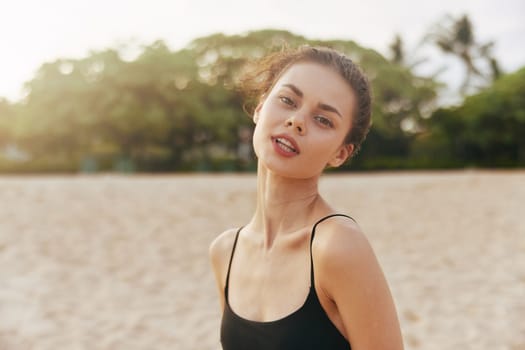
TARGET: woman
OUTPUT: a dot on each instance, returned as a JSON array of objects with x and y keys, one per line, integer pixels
[{"x": 299, "y": 275}]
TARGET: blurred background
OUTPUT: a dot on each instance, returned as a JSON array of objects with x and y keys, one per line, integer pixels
[
  {"x": 95, "y": 91},
  {"x": 149, "y": 86}
]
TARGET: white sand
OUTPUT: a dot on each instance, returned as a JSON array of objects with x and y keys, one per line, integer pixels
[{"x": 117, "y": 262}]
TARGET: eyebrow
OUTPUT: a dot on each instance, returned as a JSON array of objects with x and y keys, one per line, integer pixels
[{"x": 322, "y": 106}]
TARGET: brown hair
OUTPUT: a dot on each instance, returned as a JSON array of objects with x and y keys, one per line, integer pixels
[{"x": 261, "y": 77}]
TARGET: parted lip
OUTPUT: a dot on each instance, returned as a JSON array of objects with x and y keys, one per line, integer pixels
[{"x": 289, "y": 139}]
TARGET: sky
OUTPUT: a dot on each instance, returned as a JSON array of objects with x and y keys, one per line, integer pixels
[{"x": 33, "y": 32}]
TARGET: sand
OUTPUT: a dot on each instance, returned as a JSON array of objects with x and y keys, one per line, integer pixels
[{"x": 120, "y": 262}]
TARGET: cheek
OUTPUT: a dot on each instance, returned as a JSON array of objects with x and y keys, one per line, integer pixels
[
  {"x": 324, "y": 150},
  {"x": 257, "y": 138}
]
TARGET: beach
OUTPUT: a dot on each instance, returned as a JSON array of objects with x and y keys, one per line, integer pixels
[{"x": 121, "y": 261}]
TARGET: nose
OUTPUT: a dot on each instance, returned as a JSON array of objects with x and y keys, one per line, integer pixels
[{"x": 296, "y": 122}]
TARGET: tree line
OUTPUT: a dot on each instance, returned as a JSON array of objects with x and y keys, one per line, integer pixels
[{"x": 180, "y": 111}]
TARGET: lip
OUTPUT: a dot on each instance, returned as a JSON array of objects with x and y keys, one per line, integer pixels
[{"x": 290, "y": 140}]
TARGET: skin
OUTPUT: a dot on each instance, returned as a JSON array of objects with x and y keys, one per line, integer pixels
[{"x": 270, "y": 273}]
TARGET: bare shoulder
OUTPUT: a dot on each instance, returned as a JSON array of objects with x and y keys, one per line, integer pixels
[
  {"x": 348, "y": 273},
  {"x": 342, "y": 252},
  {"x": 220, "y": 248},
  {"x": 219, "y": 252},
  {"x": 341, "y": 240}
]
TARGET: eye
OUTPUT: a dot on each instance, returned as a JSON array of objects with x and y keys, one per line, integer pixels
[
  {"x": 286, "y": 100},
  {"x": 324, "y": 121}
]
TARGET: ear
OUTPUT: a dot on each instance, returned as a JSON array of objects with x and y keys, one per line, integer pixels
[
  {"x": 256, "y": 112},
  {"x": 343, "y": 153},
  {"x": 258, "y": 109}
]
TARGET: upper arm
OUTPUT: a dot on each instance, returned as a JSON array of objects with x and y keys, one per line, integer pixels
[
  {"x": 352, "y": 278},
  {"x": 219, "y": 253}
]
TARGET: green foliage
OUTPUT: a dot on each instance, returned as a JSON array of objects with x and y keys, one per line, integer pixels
[
  {"x": 179, "y": 111},
  {"x": 7, "y": 117},
  {"x": 487, "y": 130}
]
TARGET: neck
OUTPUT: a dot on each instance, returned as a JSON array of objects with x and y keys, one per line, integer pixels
[{"x": 284, "y": 205}]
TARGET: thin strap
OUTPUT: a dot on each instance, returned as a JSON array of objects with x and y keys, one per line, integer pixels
[
  {"x": 312, "y": 240},
  {"x": 230, "y": 264}
]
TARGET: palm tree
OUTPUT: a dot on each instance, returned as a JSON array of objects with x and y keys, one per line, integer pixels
[
  {"x": 397, "y": 50},
  {"x": 455, "y": 36},
  {"x": 399, "y": 55}
]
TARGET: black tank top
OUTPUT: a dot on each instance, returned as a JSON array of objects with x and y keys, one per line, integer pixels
[{"x": 307, "y": 328}]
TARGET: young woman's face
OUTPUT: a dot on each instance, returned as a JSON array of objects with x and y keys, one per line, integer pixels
[{"x": 303, "y": 121}]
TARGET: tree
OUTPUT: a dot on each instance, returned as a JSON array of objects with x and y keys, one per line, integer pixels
[
  {"x": 397, "y": 50},
  {"x": 455, "y": 36},
  {"x": 487, "y": 130},
  {"x": 178, "y": 110},
  {"x": 6, "y": 122}
]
